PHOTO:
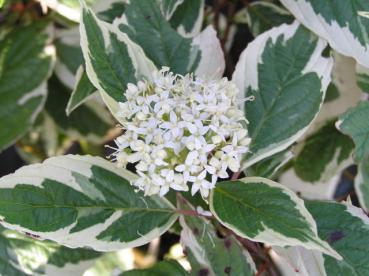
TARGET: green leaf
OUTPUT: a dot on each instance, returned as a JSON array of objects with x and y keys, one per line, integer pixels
[
  {"x": 324, "y": 154},
  {"x": 81, "y": 92},
  {"x": 2, "y": 3},
  {"x": 168, "y": 267},
  {"x": 82, "y": 201},
  {"x": 84, "y": 123},
  {"x": 209, "y": 252},
  {"x": 339, "y": 22},
  {"x": 355, "y": 123},
  {"x": 285, "y": 73},
  {"x": 146, "y": 26},
  {"x": 188, "y": 17},
  {"x": 262, "y": 16},
  {"x": 346, "y": 229},
  {"x": 24, "y": 68},
  {"x": 265, "y": 211}
]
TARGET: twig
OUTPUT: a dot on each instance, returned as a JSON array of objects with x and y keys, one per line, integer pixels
[{"x": 235, "y": 175}]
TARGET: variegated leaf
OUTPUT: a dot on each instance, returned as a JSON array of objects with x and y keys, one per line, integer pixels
[
  {"x": 83, "y": 90},
  {"x": 91, "y": 121},
  {"x": 212, "y": 63},
  {"x": 69, "y": 68},
  {"x": 343, "y": 78},
  {"x": 22, "y": 255},
  {"x": 339, "y": 22},
  {"x": 324, "y": 154},
  {"x": 146, "y": 26},
  {"x": 261, "y": 16},
  {"x": 112, "y": 59},
  {"x": 109, "y": 10},
  {"x": 81, "y": 201},
  {"x": 271, "y": 166},
  {"x": 355, "y": 123},
  {"x": 346, "y": 229},
  {"x": 25, "y": 64},
  {"x": 265, "y": 211},
  {"x": 296, "y": 260},
  {"x": 69, "y": 56},
  {"x": 322, "y": 190},
  {"x": 207, "y": 252},
  {"x": 284, "y": 72},
  {"x": 188, "y": 17}
]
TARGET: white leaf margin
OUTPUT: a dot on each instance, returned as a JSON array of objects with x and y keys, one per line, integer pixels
[
  {"x": 322, "y": 190},
  {"x": 340, "y": 39},
  {"x": 269, "y": 236},
  {"x": 246, "y": 75},
  {"x": 212, "y": 62},
  {"x": 298, "y": 260},
  {"x": 60, "y": 169}
]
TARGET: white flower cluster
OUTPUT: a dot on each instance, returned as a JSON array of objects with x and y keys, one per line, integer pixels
[{"x": 180, "y": 131}]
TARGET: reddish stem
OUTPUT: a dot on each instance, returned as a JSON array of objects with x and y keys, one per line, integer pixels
[{"x": 235, "y": 175}]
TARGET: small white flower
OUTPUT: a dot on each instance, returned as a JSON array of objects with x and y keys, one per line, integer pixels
[
  {"x": 173, "y": 125},
  {"x": 200, "y": 183},
  {"x": 182, "y": 133},
  {"x": 217, "y": 169}
]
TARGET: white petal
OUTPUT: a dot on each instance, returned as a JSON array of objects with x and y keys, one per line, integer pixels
[
  {"x": 180, "y": 168},
  {"x": 173, "y": 117},
  {"x": 194, "y": 189},
  {"x": 191, "y": 157},
  {"x": 133, "y": 158},
  {"x": 163, "y": 190},
  {"x": 210, "y": 169},
  {"x": 202, "y": 175}
]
